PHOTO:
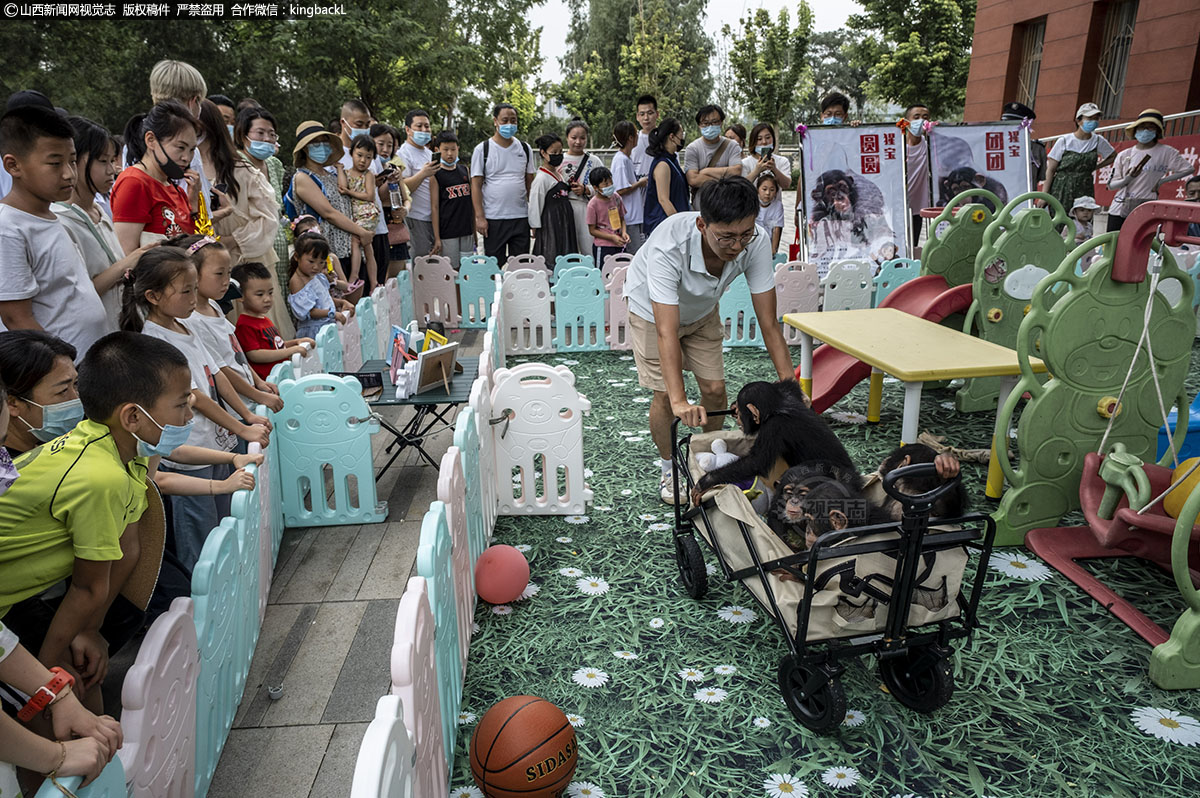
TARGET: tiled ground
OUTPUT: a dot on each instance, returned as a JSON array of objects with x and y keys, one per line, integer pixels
[{"x": 327, "y": 638}]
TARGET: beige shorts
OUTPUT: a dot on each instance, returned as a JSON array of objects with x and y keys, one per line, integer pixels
[{"x": 700, "y": 343}]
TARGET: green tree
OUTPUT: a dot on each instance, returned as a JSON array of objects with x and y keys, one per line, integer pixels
[
  {"x": 839, "y": 62},
  {"x": 769, "y": 62},
  {"x": 394, "y": 54},
  {"x": 618, "y": 49},
  {"x": 921, "y": 51}
]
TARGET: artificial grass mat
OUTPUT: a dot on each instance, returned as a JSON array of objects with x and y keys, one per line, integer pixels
[{"x": 1046, "y": 687}]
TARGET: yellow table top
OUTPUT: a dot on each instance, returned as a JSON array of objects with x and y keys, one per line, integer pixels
[{"x": 907, "y": 347}]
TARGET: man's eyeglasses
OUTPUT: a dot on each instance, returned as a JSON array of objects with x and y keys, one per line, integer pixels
[{"x": 730, "y": 240}]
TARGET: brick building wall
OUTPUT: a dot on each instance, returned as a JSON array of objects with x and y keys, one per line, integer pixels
[{"x": 1163, "y": 69}]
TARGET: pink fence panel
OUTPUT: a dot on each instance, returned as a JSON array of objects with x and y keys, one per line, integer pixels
[
  {"x": 158, "y": 700},
  {"x": 414, "y": 680}
]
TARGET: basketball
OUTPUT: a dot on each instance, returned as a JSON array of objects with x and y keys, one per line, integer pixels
[
  {"x": 524, "y": 747},
  {"x": 501, "y": 574}
]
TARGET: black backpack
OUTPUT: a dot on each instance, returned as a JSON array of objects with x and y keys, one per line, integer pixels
[{"x": 487, "y": 146}]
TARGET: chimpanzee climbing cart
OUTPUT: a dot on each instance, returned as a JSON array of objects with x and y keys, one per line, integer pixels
[{"x": 894, "y": 590}]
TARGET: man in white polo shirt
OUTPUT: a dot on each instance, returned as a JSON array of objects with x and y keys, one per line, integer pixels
[{"x": 673, "y": 288}]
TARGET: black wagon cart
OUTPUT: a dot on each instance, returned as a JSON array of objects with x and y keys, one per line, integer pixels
[{"x": 893, "y": 590}]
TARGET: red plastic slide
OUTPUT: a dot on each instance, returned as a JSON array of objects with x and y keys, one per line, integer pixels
[{"x": 835, "y": 372}]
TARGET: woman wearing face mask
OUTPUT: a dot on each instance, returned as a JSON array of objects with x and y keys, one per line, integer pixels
[
  {"x": 147, "y": 204},
  {"x": 577, "y": 166},
  {"x": 89, "y": 223},
  {"x": 1140, "y": 171},
  {"x": 551, "y": 217},
  {"x": 315, "y": 191},
  {"x": 667, "y": 192},
  {"x": 1075, "y": 157},
  {"x": 244, "y": 213},
  {"x": 39, "y": 371},
  {"x": 257, "y": 140}
]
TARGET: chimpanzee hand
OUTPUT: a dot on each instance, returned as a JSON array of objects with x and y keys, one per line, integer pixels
[{"x": 947, "y": 466}]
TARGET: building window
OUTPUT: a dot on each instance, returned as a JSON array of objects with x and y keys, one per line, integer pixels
[
  {"x": 1114, "y": 57},
  {"x": 1034, "y": 35}
]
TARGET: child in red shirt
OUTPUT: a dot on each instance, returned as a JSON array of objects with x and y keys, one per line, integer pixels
[{"x": 262, "y": 343}]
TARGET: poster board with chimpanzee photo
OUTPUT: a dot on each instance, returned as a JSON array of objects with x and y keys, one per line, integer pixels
[
  {"x": 992, "y": 156},
  {"x": 855, "y": 200}
]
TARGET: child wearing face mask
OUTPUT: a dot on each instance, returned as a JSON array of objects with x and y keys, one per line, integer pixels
[
  {"x": 1140, "y": 171},
  {"x": 450, "y": 203},
  {"x": 606, "y": 217}
]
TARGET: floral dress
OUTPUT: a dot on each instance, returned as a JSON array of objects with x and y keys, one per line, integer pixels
[
  {"x": 314, "y": 294},
  {"x": 365, "y": 212},
  {"x": 339, "y": 239}
]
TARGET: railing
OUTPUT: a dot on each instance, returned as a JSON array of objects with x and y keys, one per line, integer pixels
[{"x": 1183, "y": 124}]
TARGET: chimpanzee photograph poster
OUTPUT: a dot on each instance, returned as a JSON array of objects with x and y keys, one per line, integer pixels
[
  {"x": 854, "y": 194},
  {"x": 992, "y": 156}
]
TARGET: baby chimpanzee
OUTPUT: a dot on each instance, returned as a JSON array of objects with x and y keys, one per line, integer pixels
[
  {"x": 815, "y": 497},
  {"x": 951, "y": 505},
  {"x": 778, "y": 414}
]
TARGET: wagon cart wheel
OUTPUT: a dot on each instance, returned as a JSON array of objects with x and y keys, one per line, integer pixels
[
  {"x": 691, "y": 566},
  {"x": 815, "y": 698},
  {"x": 921, "y": 679}
]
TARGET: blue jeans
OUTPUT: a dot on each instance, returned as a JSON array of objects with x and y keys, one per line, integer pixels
[{"x": 193, "y": 517}]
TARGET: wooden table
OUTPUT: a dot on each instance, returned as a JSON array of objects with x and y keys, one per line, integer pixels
[{"x": 914, "y": 351}]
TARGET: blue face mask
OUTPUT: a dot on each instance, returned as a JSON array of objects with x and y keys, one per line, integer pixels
[
  {"x": 319, "y": 152},
  {"x": 607, "y": 191},
  {"x": 508, "y": 131},
  {"x": 1145, "y": 136},
  {"x": 450, "y": 163},
  {"x": 8, "y": 471},
  {"x": 262, "y": 150},
  {"x": 230, "y": 129},
  {"x": 172, "y": 437},
  {"x": 57, "y": 419},
  {"x": 710, "y": 132},
  {"x": 357, "y": 132},
  {"x": 764, "y": 149},
  {"x": 1089, "y": 125},
  {"x": 422, "y": 137},
  {"x": 831, "y": 120}
]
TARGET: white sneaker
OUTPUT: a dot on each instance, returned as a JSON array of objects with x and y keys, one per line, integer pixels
[{"x": 666, "y": 489}]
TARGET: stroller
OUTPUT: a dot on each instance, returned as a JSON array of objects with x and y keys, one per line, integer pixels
[{"x": 893, "y": 590}]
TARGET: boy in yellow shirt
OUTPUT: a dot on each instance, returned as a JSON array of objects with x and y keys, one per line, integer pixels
[{"x": 68, "y": 525}]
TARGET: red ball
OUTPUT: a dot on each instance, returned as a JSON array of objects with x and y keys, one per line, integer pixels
[
  {"x": 524, "y": 747},
  {"x": 501, "y": 574}
]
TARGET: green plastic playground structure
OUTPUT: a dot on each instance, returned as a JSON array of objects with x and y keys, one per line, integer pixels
[
  {"x": 1020, "y": 247},
  {"x": 955, "y": 237},
  {"x": 1087, "y": 337}
]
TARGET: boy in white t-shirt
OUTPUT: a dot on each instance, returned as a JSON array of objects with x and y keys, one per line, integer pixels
[
  {"x": 502, "y": 170},
  {"x": 44, "y": 283}
]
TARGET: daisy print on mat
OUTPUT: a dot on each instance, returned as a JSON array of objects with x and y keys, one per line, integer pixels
[
  {"x": 854, "y": 718},
  {"x": 584, "y": 789},
  {"x": 841, "y": 778},
  {"x": 735, "y": 614},
  {"x": 691, "y": 675},
  {"x": 710, "y": 695},
  {"x": 784, "y": 785},
  {"x": 466, "y": 792},
  {"x": 576, "y": 720},
  {"x": 590, "y": 677},
  {"x": 592, "y": 586},
  {"x": 1167, "y": 724},
  {"x": 1018, "y": 565}
]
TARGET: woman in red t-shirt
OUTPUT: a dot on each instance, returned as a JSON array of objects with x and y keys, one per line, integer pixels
[{"x": 156, "y": 197}]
